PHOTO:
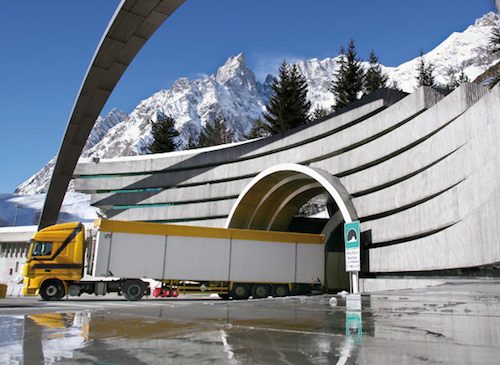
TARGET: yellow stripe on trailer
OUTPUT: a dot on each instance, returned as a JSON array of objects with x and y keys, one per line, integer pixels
[{"x": 106, "y": 225}]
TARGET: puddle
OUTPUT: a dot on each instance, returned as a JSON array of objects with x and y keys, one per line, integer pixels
[{"x": 302, "y": 330}]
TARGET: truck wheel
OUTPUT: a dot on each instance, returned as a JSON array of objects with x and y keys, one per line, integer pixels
[
  {"x": 260, "y": 291},
  {"x": 133, "y": 289},
  {"x": 52, "y": 290},
  {"x": 240, "y": 291},
  {"x": 280, "y": 290}
]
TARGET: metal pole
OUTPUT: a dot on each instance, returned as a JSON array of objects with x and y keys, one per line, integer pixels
[
  {"x": 17, "y": 211},
  {"x": 355, "y": 282}
]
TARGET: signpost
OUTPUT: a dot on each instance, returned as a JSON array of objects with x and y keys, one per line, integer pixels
[{"x": 352, "y": 252}]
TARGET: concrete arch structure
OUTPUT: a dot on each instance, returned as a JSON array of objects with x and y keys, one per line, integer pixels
[
  {"x": 133, "y": 23},
  {"x": 273, "y": 197},
  {"x": 422, "y": 171}
]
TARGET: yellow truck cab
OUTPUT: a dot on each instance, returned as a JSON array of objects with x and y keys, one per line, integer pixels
[{"x": 55, "y": 259}]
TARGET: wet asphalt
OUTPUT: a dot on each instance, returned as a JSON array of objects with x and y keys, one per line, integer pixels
[{"x": 455, "y": 323}]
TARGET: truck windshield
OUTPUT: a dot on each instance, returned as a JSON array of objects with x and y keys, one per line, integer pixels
[{"x": 42, "y": 248}]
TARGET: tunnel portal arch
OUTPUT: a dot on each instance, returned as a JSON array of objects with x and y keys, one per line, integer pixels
[{"x": 273, "y": 198}]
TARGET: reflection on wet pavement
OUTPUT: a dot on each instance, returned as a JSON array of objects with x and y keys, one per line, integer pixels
[{"x": 449, "y": 324}]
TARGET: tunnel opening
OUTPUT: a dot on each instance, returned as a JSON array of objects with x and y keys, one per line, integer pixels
[{"x": 297, "y": 198}]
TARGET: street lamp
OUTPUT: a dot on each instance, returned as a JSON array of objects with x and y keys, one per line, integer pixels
[{"x": 17, "y": 211}]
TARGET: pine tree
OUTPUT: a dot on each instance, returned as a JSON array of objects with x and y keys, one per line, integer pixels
[
  {"x": 215, "y": 134},
  {"x": 192, "y": 142},
  {"x": 164, "y": 134},
  {"x": 394, "y": 86},
  {"x": 375, "y": 78},
  {"x": 494, "y": 46},
  {"x": 453, "y": 80},
  {"x": 425, "y": 76},
  {"x": 348, "y": 84},
  {"x": 319, "y": 112},
  {"x": 463, "y": 78},
  {"x": 288, "y": 106},
  {"x": 259, "y": 130}
]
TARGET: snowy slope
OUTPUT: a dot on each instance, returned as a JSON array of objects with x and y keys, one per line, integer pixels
[
  {"x": 467, "y": 50},
  {"x": 24, "y": 210},
  {"x": 234, "y": 93}
]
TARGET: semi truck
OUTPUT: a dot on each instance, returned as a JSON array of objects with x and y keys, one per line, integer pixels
[{"x": 120, "y": 256}]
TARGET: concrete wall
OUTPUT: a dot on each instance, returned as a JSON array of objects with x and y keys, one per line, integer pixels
[
  {"x": 422, "y": 172},
  {"x": 14, "y": 245}
]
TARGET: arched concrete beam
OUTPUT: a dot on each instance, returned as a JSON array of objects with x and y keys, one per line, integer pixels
[
  {"x": 251, "y": 198},
  {"x": 268, "y": 203},
  {"x": 133, "y": 23},
  {"x": 290, "y": 206}
]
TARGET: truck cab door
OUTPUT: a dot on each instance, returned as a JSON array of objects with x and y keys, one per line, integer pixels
[{"x": 43, "y": 263}]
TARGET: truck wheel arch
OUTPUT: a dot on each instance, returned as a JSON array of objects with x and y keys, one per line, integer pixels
[{"x": 52, "y": 289}]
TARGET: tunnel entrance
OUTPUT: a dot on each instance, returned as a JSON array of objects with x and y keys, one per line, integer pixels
[{"x": 297, "y": 198}]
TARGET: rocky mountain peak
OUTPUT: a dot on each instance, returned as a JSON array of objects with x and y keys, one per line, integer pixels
[
  {"x": 487, "y": 20},
  {"x": 234, "y": 94},
  {"x": 235, "y": 67}
]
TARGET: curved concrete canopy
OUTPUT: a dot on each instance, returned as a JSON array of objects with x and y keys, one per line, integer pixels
[
  {"x": 273, "y": 197},
  {"x": 133, "y": 23}
]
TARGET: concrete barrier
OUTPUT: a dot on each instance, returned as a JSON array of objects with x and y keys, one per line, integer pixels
[{"x": 3, "y": 291}]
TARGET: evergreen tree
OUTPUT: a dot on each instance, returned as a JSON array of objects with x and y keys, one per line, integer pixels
[
  {"x": 375, "y": 78},
  {"x": 494, "y": 43},
  {"x": 348, "y": 84},
  {"x": 425, "y": 76},
  {"x": 453, "y": 80},
  {"x": 259, "y": 129},
  {"x": 215, "y": 134},
  {"x": 494, "y": 46},
  {"x": 463, "y": 78},
  {"x": 395, "y": 86},
  {"x": 288, "y": 106},
  {"x": 164, "y": 134},
  {"x": 192, "y": 142},
  {"x": 319, "y": 112}
]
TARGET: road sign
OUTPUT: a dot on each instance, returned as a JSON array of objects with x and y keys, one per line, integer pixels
[{"x": 352, "y": 246}]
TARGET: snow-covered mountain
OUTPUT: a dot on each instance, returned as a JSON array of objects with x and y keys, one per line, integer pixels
[
  {"x": 234, "y": 94},
  {"x": 24, "y": 210}
]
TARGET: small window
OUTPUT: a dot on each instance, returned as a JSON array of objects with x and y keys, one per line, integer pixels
[{"x": 42, "y": 249}]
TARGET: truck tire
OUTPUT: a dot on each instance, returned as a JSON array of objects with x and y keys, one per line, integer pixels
[
  {"x": 133, "y": 289},
  {"x": 52, "y": 290},
  {"x": 240, "y": 291},
  {"x": 260, "y": 291},
  {"x": 280, "y": 290}
]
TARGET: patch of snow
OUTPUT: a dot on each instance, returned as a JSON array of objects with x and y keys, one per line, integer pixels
[{"x": 25, "y": 210}]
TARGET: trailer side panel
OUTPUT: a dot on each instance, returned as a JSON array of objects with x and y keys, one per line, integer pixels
[
  {"x": 193, "y": 258},
  {"x": 310, "y": 263},
  {"x": 136, "y": 255},
  {"x": 257, "y": 261}
]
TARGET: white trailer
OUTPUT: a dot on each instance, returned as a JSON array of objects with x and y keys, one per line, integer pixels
[{"x": 231, "y": 262}]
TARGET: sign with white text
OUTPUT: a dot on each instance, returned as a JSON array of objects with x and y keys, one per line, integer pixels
[{"x": 352, "y": 246}]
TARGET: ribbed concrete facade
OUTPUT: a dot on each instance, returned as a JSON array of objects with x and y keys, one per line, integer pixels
[{"x": 420, "y": 172}]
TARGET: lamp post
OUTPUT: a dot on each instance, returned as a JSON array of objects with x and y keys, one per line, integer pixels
[{"x": 17, "y": 211}]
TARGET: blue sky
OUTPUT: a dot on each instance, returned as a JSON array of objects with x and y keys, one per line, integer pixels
[{"x": 46, "y": 47}]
